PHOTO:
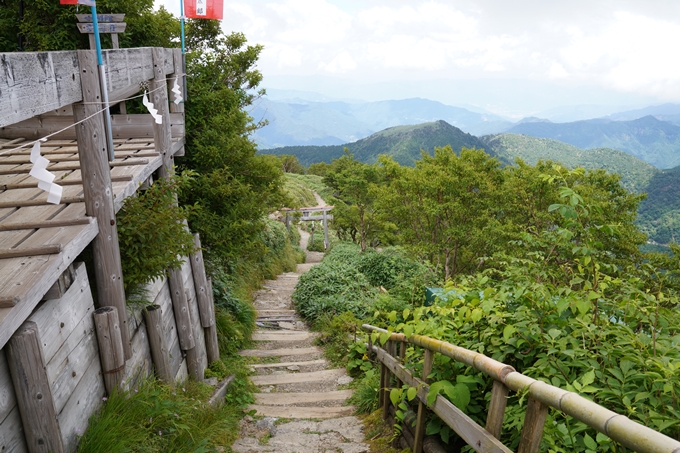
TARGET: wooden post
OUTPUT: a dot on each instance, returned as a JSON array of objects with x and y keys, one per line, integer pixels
[
  {"x": 33, "y": 393},
  {"x": 177, "y": 61},
  {"x": 194, "y": 367},
  {"x": 499, "y": 399},
  {"x": 420, "y": 421},
  {"x": 180, "y": 306},
  {"x": 159, "y": 97},
  {"x": 388, "y": 382},
  {"x": 110, "y": 347},
  {"x": 203, "y": 299},
  {"x": 159, "y": 350},
  {"x": 532, "y": 431},
  {"x": 94, "y": 164},
  {"x": 325, "y": 230},
  {"x": 211, "y": 342}
]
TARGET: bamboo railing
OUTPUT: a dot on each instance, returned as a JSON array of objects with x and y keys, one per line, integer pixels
[{"x": 541, "y": 397}]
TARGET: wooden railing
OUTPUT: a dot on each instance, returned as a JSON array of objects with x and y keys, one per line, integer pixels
[{"x": 541, "y": 397}]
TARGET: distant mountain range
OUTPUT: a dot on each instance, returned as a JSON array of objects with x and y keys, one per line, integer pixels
[
  {"x": 403, "y": 143},
  {"x": 651, "y": 133},
  {"x": 654, "y": 141},
  {"x": 659, "y": 214}
]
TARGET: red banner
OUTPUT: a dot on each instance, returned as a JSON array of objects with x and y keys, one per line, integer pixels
[
  {"x": 204, "y": 9},
  {"x": 77, "y": 2}
]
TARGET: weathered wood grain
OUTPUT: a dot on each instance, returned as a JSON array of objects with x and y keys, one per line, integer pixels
[
  {"x": 172, "y": 340},
  {"x": 205, "y": 308},
  {"x": 7, "y": 399},
  {"x": 280, "y": 352},
  {"x": 29, "y": 279},
  {"x": 180, "y": 307},
  {"x": 162, "y": 132},
  {"x": 292, "y": 378},
  {"x": 140, "y": 365},
  {"x": 12, "y": 433},
  {"x": 532, "y": 431},
  {"x": 111, "y": 351},
  {"x": 33, "y": 83},
  {"x": 159, "y": 350},
  {"x": 419, "y": 433},
  {"x": 499, "y": 400},
  {"x": 93, "y": 152},
  {"x": 33, "y": 392},
  {"x": 85, "y": 400}
]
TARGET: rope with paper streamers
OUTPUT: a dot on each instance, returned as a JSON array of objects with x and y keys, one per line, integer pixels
[{"x": 46, "y": 178}]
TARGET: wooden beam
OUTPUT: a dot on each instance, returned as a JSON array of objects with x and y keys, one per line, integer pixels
[
  {"x": 56, "y": 166},
  {"x": 159, "y": 97},
  {"x": 110, "y": 347},
  {"x": 33, "y": 392},
  {"x": 33, "y": 83},
  {"x": 419, "y": 434},
  {"x": 159, "y": 350},
  {"x": 211, "y": 342},
  {"x": 38, "y": 202},
  {"x": 45, "y": 224},
  {"x": 51, "y": 249},
  {"x": 62, "y": 182},
  {"x": 180, "y": 307},
  {"x": 532, "y": 431},
  {"x": 92, "y": 149},
  {"x": 499, "y": 400},
  {"x": 474, "y": 435},
  {"x": 201, "y": 284}
]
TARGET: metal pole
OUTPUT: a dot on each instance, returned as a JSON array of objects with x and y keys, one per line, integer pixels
[
  {"x": 184, "y": 57},
  {"x": 102, "y": 83}
]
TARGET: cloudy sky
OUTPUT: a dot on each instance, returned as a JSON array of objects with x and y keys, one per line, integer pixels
[{"x": 503, "y": 55}]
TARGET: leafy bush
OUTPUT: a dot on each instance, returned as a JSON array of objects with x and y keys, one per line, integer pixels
[{"x": 152, "y": 234}]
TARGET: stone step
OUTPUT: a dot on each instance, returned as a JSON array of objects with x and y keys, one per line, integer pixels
[
  {"x": 295, "y": 378},
  {"x": 275, "y": 312},
  {"x": 274, "y": 399},
  {"x": 283, "y": 336},
  {"x": 280, "y": 352},
  {"x": 286, "y": 364},
  {"x": 301, "y": 412}
]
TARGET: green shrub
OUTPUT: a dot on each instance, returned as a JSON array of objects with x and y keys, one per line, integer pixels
[
  {"x": 366, "y": 391},
  {"x": 152, "y": 234}
]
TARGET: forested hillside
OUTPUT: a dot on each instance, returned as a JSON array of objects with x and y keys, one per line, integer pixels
[
  {"x": 656, "y": 142},
  {"x": 403, "y": 143},
  {"x": 635, "y": 173}
]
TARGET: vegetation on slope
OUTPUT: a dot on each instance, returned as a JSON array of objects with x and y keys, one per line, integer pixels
[
  {"x": 656, "y": 142},
  {"x": 403, "y": 143},
  {"x": 548, "y": 278},
  {"x": 635, "y": 173}
]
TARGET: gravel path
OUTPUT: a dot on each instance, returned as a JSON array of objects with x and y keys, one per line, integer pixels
[{"x": 300, "y": 404}]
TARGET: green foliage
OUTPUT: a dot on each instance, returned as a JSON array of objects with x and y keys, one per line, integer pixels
[
  {"x": 159, "y": 418},
  {"x": 234, "y": 188},
  {"x": 47, "y": 25},
  {"x": 290, "y": 164},
  {"x": 366, "y": 392},
  {"x": 151, "y": 233},
  {"x": 298, "y": 192},
  {"x": 216, "y": 369}
]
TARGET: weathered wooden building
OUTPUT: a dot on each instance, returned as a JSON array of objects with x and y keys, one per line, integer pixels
[{"x": 57, "y": 357}]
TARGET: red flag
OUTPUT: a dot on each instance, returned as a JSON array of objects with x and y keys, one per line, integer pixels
[
  {"x": 77, "y": 2},
  {"x": 204, "y": 9}
]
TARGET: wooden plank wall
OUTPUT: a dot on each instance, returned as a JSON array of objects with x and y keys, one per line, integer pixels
[{"x": 69, "y": 343}]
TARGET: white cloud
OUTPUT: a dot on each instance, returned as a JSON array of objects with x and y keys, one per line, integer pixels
[{"x": 342, "y": 63}]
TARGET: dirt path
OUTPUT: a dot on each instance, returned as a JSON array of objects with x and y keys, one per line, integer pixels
[{"x": 295, "y": 382}]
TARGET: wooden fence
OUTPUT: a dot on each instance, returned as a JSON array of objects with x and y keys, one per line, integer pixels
[{"x": 541, "y": 397}]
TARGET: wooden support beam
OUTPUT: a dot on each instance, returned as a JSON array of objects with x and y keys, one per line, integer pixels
[
  {"x": 203, "y": 299},
  {"x": 93, "y": 152},
  {"x": 62, "y": 284},
  {"x": 388, "y": 382},
  {"x": 194, "y": 361},
  {"x": 159, "y": 349},
  {"x": 38, "y": 202},
  {"x": 45, "y": 224},
  {"x": 111, "y": 351},
  {"x": 211, "y": 343},
  {"x": 180, "y": 306},
  {"x": 33, "y": 393},
  {"x": 159, "y": 98},
  {"x": 532, "y": 431},
  {"x": 428, "y": 360},
  {"x": 51, "y": 249},
  {"x": 499, "y": 400}
]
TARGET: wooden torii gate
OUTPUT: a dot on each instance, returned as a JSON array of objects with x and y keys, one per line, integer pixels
[{"x": 307, "y": 217}]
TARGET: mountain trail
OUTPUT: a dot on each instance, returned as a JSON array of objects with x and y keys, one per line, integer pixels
[{"x": 300, "y": 399}]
